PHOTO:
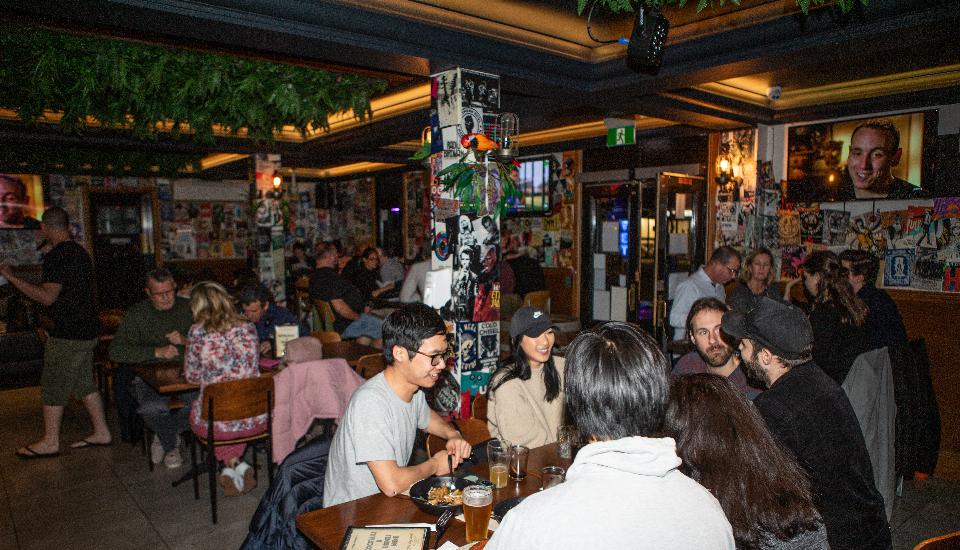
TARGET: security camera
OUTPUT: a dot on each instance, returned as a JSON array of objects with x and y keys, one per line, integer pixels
[{"x": 773, "y": 93}]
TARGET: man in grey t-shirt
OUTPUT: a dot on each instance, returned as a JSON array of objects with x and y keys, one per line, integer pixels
[{"x": 373, "y": 444}]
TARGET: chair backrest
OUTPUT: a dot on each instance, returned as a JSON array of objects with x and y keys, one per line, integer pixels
[
  {"x": 950, "y": 541},
  {"x": 474, "y": 432},
  {"x": 324, "y": 314},
  {"x": 238, "y": 399},
  {"x": 327, "y": 336},
  {"x": 479, "y": 407},
  {"x": 371, "y": 365},
  {"x": 538, "y": 299}
]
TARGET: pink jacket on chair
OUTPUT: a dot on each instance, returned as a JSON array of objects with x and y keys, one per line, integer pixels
[{"x": 305, "y": 391}]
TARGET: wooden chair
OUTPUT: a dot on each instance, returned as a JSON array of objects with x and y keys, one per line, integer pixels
[
  {"x": 474, "y": 432},
  {"x": 950, "y": 541},
  {"x": 326, "y": 336},
  {"x": 232, "y": 400},
  {"x": 371, "y": 365},
  {"x": 109, "y": 321},
  {"x": 325, "y": 317},
  {"x": 478, "y": 407},
  {"x": 539, "y": 299}
]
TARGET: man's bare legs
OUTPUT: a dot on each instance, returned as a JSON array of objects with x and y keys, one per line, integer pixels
[
  {"x": 53, "y": 421},
  {"x": 50, "y": 443},
  {"x": 101, "y": 432}
]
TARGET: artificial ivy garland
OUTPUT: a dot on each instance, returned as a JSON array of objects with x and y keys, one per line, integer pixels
[
  {"x": 143, "y": 87},
  {"x": 617, "y": 6}
]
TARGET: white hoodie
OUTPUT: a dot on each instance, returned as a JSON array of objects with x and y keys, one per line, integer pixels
[{"x": 618, "y": 494}]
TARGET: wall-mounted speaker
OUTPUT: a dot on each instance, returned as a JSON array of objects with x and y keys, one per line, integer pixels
[{"x": 645, "y": 51}]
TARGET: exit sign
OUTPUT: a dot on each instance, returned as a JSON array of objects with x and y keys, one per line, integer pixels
[{"x": 624, "y": 135}]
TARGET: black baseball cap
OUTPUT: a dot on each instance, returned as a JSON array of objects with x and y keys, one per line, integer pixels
[
  {"x": 781, "y": 328},
  {"x": 529, "y": 321}
]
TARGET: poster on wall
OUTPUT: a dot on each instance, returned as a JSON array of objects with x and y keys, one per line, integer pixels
[
  {"x": 811, "y": 223},
  {"x": 898, "y": 267}
]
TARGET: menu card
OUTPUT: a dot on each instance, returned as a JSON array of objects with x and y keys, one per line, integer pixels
[
  {"x": 282, "y": 335},
  {"x": 393, "y": 538}
]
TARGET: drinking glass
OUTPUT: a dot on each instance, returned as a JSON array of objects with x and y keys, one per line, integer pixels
[
  {"x": 477, "y": 507},
  {"x": 498, "y": 457},
  {"x": 551, "y": 475},
  {"x": 568, "y": 438},
  {"x": 518, "y": 462}
]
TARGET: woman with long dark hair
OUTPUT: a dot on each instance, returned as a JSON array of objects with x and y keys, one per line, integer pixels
[
  {"x": 836, "y": 315},
  {"x": 526, "y": 395},
  {"x": 726, "y": 447}
]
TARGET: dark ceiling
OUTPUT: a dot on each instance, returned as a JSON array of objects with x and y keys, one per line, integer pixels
[{"x": 765, "y": 42}]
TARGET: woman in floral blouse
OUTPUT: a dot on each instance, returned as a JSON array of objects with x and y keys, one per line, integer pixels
[{"x": 222, "y": 346}]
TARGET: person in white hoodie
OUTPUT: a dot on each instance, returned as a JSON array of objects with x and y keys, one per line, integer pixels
[{"x": 624, "y": 489}]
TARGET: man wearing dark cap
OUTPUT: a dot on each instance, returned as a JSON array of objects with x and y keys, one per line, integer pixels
[{"x": 809, "y": 414}]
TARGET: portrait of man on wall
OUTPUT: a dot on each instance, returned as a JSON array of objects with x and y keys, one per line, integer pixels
[{"x": 16, "y": 205}]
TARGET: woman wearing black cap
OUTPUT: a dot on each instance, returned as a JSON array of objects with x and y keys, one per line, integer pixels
[{"x": 526, "y": 396}]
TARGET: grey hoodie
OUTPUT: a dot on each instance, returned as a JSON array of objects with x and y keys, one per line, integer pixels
[{"x": 625, "y": 494}]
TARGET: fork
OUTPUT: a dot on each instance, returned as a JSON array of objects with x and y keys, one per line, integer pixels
[{"x": 442, "y": 526}]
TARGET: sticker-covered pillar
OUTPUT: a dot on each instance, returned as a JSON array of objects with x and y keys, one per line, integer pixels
[{"x": 466, "y": 228}]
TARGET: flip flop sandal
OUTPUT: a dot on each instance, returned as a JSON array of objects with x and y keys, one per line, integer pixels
[
  {"x": 30, "y": 454},
  {"x": 231, "y": 483},
  {"x": 249, "y": 481}
]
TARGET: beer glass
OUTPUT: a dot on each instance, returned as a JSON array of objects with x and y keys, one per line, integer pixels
[
  {"x": 551, "y": 475},
  {"x": 477, "y": 507},
  {"x": 498, "y": 457},
  {"x": 567, "y": 439},
  {"x": 518, "y": 462}
]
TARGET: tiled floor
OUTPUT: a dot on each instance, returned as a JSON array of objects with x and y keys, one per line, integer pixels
[
  {"x": 102, "y": 498},
  {"x": 105, "y": 498}
]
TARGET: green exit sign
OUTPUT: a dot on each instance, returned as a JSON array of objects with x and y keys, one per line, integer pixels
[{"x": 624, "y": 135}]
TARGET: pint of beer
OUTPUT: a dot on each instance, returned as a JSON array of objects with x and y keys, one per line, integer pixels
[{"x": 477, "y": 507}]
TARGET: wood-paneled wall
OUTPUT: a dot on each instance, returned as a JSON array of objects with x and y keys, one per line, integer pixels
[{"x": 935, "y": 317}]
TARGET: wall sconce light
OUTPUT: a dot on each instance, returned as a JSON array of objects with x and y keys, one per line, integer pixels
[
  {"x": 726, "y": 181},
  {"x": 277, "y": 189}
]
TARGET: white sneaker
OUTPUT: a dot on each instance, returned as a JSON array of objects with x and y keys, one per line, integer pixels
[
  {"x": 156, "y": 450},
  {"x": 172, "y": 459}
]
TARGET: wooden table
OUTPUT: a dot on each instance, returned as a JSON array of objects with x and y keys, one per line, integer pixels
[
  {"x": 326, "y": 527},
  {"x": 168, "y": 377},
  {"x": 164, "y": 377},
  {"x": 351, "y": 351}
]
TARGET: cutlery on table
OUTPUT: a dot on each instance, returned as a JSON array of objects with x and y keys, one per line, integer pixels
[{"x": 442, "y": 526}]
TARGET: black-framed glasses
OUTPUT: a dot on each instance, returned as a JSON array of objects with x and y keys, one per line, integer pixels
[{"x": 436, "y": 358}]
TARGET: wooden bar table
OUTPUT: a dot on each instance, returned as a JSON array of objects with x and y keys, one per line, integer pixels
[
  {"x": 349, "y": 351},
  {"x": 164, "y": 377},
  {"x": 167, "y": 377},
  {"x": 327, "y": 526}
]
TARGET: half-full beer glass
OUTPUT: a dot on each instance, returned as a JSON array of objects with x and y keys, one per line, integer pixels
[
  {"x": 498, "y": 457},
  {"x": 477, "y": 507}
]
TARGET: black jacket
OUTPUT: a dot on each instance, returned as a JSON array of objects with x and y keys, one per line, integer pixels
[
  {"x": 809, "y": 414},
  {"x": 296, "y": 489}
]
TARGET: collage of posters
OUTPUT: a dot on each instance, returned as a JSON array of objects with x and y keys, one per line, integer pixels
[
  {"x": 464, "y": 102},
  {"x": 917, "y": 241}
]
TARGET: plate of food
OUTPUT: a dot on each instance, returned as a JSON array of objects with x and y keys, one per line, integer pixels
[{"x": 434, "y": 495}]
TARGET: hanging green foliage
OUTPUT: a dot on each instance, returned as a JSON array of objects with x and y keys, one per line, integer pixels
[
  {"x": 128, "y": 84},
  {"x": 469, "y": 182},
  {"x": 618, "y": 6},
  {"x": 69, "y": 160}
]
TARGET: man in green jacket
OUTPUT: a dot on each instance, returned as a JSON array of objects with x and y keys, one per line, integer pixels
[{"x": 153, "y": 330}]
